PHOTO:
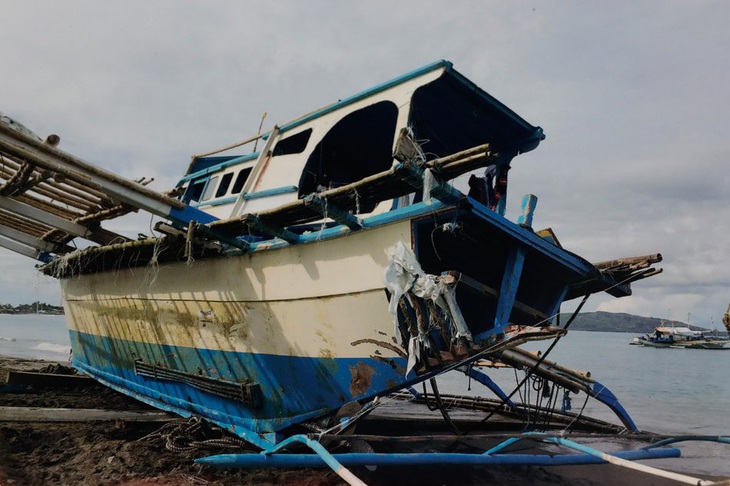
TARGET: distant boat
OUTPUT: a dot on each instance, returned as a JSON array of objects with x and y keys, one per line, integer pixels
[{"x": 680, "y": 337}]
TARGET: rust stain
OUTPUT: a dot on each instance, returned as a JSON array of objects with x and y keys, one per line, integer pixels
[
  {"x": 361, "y": 377},
  {"x": 382, "y": 344}
]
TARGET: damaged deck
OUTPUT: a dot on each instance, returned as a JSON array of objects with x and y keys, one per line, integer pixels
[{"x": 49, "y": 197}]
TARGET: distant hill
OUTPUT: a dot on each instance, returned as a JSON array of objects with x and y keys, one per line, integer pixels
[{"x": 618, "y": 322}]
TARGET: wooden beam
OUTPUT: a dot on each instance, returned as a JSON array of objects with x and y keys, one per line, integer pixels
[
  {"x": 510, "y": 284},
  {"x": 21, "y": 249},
  {"x": 26, "y": 239},
  {"x": 327, "y": 209},
  {"x": 36, "y": 414},
  {"x": 257, "y": 223},
  {"x": 34, "y": 378},
  {"x": 48, "y": 157},
  {"x": 493, "y": 293},
  {"x": 17, "y": 180},
  {"x": 41, "y": 216}
]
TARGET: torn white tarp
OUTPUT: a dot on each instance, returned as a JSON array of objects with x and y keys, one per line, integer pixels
[
  {"x": 429, "y": 184},
  {"x": 404, "y": 274}
]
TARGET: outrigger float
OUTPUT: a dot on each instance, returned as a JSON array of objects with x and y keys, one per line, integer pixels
[{"x": 294, "y": 289}]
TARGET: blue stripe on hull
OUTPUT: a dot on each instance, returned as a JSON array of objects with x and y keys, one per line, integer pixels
[{"x": 293, "y": 388}]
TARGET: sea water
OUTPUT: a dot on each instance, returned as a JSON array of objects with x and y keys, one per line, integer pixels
[
  {"x": 38, "y": 336},
  {"x": 665, "y": 390}
]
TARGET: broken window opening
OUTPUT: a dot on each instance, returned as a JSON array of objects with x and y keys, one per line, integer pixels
[
  {"x": 225, "y": 183},
  {"x": 194, "y": 191},
  {"x": 210, "y": 188},
  {"x": 294, "y": 144},
  {"x": 357, "y": 146},
  {"x": 241, "y": 180}
]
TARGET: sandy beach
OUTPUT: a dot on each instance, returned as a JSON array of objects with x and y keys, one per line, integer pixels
[{"x": 121, "y": 452}]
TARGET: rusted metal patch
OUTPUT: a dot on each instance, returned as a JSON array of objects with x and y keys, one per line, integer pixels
[{"x": 361, "y": 376}]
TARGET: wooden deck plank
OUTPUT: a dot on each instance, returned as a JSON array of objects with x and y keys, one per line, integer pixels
[
  {"x": 38, "y": 414},
  {"x": 46, "y": 379}
]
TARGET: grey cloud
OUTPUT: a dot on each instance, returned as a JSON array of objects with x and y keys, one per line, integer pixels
[{"x": 633, "y": 98}]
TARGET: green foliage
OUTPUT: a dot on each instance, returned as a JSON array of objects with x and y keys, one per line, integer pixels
[{"x": 34, "y": 308}]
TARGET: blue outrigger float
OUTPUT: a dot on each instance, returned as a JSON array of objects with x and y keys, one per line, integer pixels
[{"x": 292, "y": 290}]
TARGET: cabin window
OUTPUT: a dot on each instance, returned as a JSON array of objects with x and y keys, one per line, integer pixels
[
  {"x": 225, "y": 183},
  {"x": 241, "y": 180},
  {"x": 210, "y": 188},
  {"x": 294, "y": 144},
  {"x": 357, "y": 146},
  {"x": 194, "y": 191}
]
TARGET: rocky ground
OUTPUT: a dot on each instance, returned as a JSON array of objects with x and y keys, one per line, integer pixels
[{"x": 140, "y": 453}]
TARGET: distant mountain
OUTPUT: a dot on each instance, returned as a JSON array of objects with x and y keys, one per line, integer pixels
[{"x": 618, "y": 322}]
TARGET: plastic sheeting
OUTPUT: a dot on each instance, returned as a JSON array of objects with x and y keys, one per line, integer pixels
[{"x": 403, "y": 277}]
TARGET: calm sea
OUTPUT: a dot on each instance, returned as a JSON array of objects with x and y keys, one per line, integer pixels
[
  {"x": 34, "y": 336},
  {"x": 670, "y": 391}
]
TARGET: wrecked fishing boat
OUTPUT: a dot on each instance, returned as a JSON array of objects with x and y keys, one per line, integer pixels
[{"x": 291, "y": 287}]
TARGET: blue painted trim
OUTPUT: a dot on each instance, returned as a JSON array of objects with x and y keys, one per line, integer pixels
[
  {"x": 423, "y": 459},
  {"x": 219, "y": 167},
  {"x": 174, "y": 405},
  {"x": 572, "y": 262},
  {"x": 44, "y": 257},
  {"x": 527, "y": 210},
  {"x": 406, "y": 213},
  {"x": 558, "y": 302},
  {"x": 604, "y": 395},
  {"x": 563, "y": 257},
  {"x": 188, "y": 213},
  {"x": 276, "y": 191},
  {"x": 294, "y": 388},
  {"x": 442, "y": 64},
  {"x": 508, "y": 290},
  {"x": 215, "y": 202}
]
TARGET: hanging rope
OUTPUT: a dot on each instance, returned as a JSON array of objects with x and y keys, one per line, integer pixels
[
  {"x": 538, "y": 363},
  {"x": 439, "y": 405}
]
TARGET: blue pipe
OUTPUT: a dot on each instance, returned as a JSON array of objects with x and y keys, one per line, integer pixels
[
  {"x": 369, "y": 459},
  {"x": 684, "y": 438},
  {"x": 502, "y": 445}
]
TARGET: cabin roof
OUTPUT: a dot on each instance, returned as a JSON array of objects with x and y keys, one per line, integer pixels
[{"x": 450, "y": 90}]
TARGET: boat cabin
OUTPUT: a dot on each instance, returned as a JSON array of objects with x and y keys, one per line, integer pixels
[{"x": 428, "y": 113}]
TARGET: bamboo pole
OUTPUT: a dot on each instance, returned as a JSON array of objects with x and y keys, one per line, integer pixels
[
  {"x": 45, "y": 155},
  {"x": 48, "y": 207}
]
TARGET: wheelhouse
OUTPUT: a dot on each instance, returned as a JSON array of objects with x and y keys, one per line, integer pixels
[{"x": 435, "y": 108}]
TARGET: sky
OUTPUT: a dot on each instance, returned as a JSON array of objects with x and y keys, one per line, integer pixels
[{"x": 633, "y": 98}]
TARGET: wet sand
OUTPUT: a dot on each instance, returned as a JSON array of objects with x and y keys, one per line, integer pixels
[{"x": 112, "y": 453}]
